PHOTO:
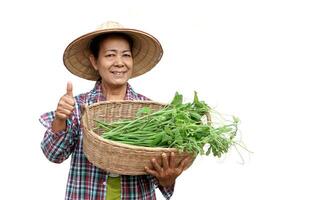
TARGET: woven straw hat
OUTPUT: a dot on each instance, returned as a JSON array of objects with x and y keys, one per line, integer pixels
[{"x": 147, "y": 51}]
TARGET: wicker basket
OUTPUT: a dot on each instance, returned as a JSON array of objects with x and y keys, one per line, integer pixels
[{"x": 113, "y": 156}]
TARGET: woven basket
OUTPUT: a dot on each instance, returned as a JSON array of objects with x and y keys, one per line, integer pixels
[{"x": 116, "y": 157}]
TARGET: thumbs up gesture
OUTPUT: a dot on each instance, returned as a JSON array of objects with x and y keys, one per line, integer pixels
[
  {"x": 64, "y": 109},
  {"x": 69, "y": 89}
]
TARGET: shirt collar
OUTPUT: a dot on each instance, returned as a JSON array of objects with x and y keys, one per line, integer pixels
[{"x": 97, "y": 94}]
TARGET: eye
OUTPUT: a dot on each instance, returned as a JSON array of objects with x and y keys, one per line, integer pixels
[
  {"x": 109, "y": 55},
  {"x": 127, "y": 55}
]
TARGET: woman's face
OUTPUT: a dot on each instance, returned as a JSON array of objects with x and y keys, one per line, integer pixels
[{"x": 115, "y": 61}]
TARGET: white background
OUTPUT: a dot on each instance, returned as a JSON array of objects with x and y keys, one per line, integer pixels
[{"x": 247, "y": 58}]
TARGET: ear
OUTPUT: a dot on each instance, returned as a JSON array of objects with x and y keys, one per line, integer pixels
[{"x": 93, "y": 62}]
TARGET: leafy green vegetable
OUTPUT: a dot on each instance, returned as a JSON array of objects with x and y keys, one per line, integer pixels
[{"x": 178, "y": 125}]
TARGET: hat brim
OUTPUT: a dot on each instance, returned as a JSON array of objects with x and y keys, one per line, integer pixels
[{"x": 147, "y": 52}]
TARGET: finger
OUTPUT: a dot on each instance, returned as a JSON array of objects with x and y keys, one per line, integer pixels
[
  {"x": 61, "y": 116},
  {"x": 156, "y": 166},
  {"x": 66, "y": 106},
  {"x": 69, "y": 89},
  {"x": 66, "y": 103},
  {"x": 64, "y": 112},
  {"x": 164, "y": 161},
  {"x": 183, "y": 164},
  {"x": 152, "y": 172},
  {"x": 68, "y": 100},
  {"x": 172, "y": 163}
]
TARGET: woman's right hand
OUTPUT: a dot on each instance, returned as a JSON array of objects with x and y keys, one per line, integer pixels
[{"x": 64, "y": 109}]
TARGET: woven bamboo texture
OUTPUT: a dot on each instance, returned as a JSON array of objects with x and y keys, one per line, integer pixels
[{"x": 113, "y": 156}]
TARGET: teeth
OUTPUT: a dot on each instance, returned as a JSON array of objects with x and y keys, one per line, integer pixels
[{"x": 118, "y": 73}]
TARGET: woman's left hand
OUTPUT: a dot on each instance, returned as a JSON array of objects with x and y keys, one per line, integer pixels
[{"x": 168, "y": 173}]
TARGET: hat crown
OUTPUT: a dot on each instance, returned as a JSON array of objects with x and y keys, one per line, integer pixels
[{"x": 109, "y": 25}]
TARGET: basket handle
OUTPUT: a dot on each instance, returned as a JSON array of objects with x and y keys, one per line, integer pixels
[{"x": 85, "y": 115}]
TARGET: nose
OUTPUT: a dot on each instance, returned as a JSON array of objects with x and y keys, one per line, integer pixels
[{"x": 119, "y": 61}]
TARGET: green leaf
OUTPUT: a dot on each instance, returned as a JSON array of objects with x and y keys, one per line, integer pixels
[
  {"x": 195, "y": 98},
  {"x": 236, "y": 119},
  {"x": 177, "y": 100},
  {"x": 143, "y": 111},
  {"x": 200, "y": 106}
]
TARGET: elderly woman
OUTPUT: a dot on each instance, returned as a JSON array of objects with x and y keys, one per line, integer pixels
[{"x": 110, "y": 56}]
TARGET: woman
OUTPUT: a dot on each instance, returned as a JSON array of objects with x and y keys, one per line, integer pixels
[{"x": 111, "y": 56}]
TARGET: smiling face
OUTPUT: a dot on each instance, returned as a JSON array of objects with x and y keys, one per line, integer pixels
[{"x": 114, "y": 61}]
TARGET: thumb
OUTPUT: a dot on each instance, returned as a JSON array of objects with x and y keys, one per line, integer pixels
[{"x": 69, "y": 89}]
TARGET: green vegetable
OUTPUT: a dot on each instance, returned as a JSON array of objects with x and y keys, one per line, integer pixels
[{"x": 178, "y": 125}]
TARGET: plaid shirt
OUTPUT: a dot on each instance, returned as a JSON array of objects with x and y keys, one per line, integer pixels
[{"x": 85, "y": 180}]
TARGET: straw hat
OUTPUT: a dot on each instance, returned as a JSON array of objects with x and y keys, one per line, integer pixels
[{"x": 147, "y": 51}]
